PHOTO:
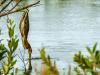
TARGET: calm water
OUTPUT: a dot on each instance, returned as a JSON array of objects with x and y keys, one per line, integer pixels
[{"x": 63, "y": 27}]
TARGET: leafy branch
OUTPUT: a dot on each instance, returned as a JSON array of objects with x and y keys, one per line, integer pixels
[{"x": 9, "y": 61}]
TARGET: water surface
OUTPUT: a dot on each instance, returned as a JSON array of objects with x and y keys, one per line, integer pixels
[{"x": 63, "y": 27}]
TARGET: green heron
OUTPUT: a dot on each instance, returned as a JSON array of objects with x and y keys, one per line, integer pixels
[{"x": 24, "y": 29}]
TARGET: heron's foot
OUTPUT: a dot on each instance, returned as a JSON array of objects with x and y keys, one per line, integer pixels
[{"x": 30, "y": 67}]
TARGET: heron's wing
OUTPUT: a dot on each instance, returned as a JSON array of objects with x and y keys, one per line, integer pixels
[
  {"x": 21, "y": 25},
  {"x": 26, "y": 24},
  {"x": 24, "y": 29}
]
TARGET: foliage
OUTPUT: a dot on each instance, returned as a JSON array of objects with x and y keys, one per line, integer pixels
[
  {"x": 78, "y": 72},
  {"x": 52, "y": 69},
  {"x": 88, "y": 63},
  {"x": 9, "y": 61},
  {"x": 2, "y": 51}
]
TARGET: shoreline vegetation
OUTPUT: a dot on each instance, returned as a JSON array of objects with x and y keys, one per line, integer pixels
[{"x": 86, "y": 65}]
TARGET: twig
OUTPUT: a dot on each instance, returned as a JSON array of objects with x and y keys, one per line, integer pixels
[
  {"x": 14, "y": 6},
  {"x": 5, "y": 6},
  {"x": 3, "y": 2},
  {"x": 17, "y": 10},
  {"x": 22, "y": 59}
]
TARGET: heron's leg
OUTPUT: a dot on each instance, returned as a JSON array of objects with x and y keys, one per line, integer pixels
[{"x": 30, "y": 65}]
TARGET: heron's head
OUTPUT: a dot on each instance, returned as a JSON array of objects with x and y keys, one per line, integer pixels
[{"x": 25, "y": 10}]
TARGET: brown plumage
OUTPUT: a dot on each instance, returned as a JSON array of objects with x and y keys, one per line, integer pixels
[{"x": 24, "y": 29}]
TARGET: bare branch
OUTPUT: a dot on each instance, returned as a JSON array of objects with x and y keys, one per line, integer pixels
[
  {"x": 5, "y": 6},
  {"x": 2, "y": 2},
  {"x": 17, "y": 10},
  {"x": 14, "y": 6}
]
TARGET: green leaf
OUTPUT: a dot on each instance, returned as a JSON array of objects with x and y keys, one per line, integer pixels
[
  {"x": 11, "y": 21},
  {"x": 3, "y": 67},
  {"x": 3, "y": 50},
  {"x": 89, "y": 50},
  {"x": 78, "y": 72},
  {"x": 15, "y": 45},
  {"x": 13, "y": 62},
  {"x": 11, "y": 32},
  {"x": 9, "y": 44},
  {"x": 49, "y": 61},
  {"x": 97, "y": 56},
  {"x": 87, "y": 63},
  {"x": 43, "y": 55},
  {"x": 94, "y": 47}
]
